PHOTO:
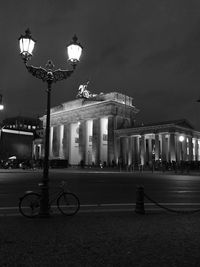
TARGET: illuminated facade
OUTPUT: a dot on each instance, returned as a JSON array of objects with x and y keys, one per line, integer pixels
[
  {"x": 84, "y": 129},
  {"x": 171, "y": 141},
  {"x": 101, "y": 129}
]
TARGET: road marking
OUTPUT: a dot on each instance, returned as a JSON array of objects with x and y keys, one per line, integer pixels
[
  {"x": 104, "y": 207},
  {"x": 184, "y": 191},
  {"x": 117, "y": 204},
  {"x": 8, "y": 208}
]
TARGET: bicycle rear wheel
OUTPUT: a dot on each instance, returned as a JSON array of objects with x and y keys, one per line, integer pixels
[
  {"x": 29, "y": 205},
  {"x": 68, "y": 204}
]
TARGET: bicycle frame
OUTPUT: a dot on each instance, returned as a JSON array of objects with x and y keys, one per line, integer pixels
[{"x": 56, "y": 196}]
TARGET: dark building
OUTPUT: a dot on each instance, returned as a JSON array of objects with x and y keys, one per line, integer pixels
[{"x": 16, "y": 137}]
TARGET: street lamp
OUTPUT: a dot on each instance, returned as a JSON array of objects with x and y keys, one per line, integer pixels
[{"x": 48, "y": 75}]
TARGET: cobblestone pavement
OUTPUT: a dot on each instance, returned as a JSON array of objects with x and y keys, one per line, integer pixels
[{"x": 101, "y": 239}]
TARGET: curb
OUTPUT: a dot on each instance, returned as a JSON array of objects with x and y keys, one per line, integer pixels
[{"x": 109, "y": 207}]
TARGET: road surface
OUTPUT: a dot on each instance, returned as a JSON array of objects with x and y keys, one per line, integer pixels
[{"x": 105, "y": 189}]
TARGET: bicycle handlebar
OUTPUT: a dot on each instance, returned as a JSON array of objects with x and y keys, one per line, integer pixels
[{"x": 62, "y": 184}]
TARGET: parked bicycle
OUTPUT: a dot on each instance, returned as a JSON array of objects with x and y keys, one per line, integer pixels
[{"x": 67, "y": 202}]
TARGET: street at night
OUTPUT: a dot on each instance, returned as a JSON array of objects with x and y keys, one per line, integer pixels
[
  {"x": 105, "y": 189},
  {"x": 100, "y": 133},
  {"x": 90, "y": 238}
]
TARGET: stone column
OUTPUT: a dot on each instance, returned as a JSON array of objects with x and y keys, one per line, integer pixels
[
  {"x": 190, "y": 144},
  {"x": 103, "y": 140},
  {"x": 34, "y": 149},
  {"x": 184, "y": 148},
  {"x": 117, "y": 150},
  {"x": 176, "y": 147},
  {"x": 61, "y": 153},
  {"x": 83, "y": 141},
  {"x": 157, "y": 150},
  {"x": 70, "y": 143},
  {"x": 56, "y": 142},
  {"x": 196, "y": 149},
  {"x": 130, "y": 150},
  {"x": 180, "y": 148},
  {"x": 66, "y": 143},
  {"x": 164, "y": 148},
  {"x": 135, "y": 150},
  {"x": 124, "y": 150},
  {"x": 167, "y": 148},
  {"x": 143, "y": 150},
  {"x": 88, "y": 141},
  {"x": 150, "y": 150},
  {"x": 96, "y": 142},
  {"x": 111, "y": 140},
  {"x": 87, "y": 151},
  {"x": 172, "y": 151},
  {"x": 121, "y": 160}
]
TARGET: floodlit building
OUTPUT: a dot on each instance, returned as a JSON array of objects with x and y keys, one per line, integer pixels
[
  {"x": 84, "y": 129},
  {"x": 170, "y": 141},
  {"x": 95, "y": 129}
]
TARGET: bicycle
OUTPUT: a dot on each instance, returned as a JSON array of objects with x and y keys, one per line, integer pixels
[{"x": 67, "y": 202}]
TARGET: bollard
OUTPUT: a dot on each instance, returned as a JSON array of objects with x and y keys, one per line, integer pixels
[{"x": 139, "y": 207}]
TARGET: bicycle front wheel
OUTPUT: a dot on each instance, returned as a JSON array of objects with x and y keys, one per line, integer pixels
[
  {"x": 29, "y": 205},
  {"x": 68, "y": 204}
]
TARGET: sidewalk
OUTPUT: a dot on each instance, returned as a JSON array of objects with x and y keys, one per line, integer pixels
[
  {"x": 101, "y": 239},
  {"x": 99, "y": 170}
]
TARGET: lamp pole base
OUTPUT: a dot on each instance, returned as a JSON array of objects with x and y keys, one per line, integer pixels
[{"x": 44, "y": 202}]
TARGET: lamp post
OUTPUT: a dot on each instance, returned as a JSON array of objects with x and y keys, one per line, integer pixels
[
  {"x": 1, "y": 102},
  {"x": 50, "y": 76}
]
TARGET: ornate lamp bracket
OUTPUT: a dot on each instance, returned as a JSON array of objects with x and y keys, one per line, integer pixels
[{"x": 48, "y": 75}]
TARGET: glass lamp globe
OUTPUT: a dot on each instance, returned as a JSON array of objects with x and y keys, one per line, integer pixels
[
  {"x": 74, "y": 51},
  {"x": 26, "y": 44},
  {"x": 181, "y": 138}
]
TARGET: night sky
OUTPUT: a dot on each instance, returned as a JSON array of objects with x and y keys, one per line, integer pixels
[{"x": 149, "y": 50}]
